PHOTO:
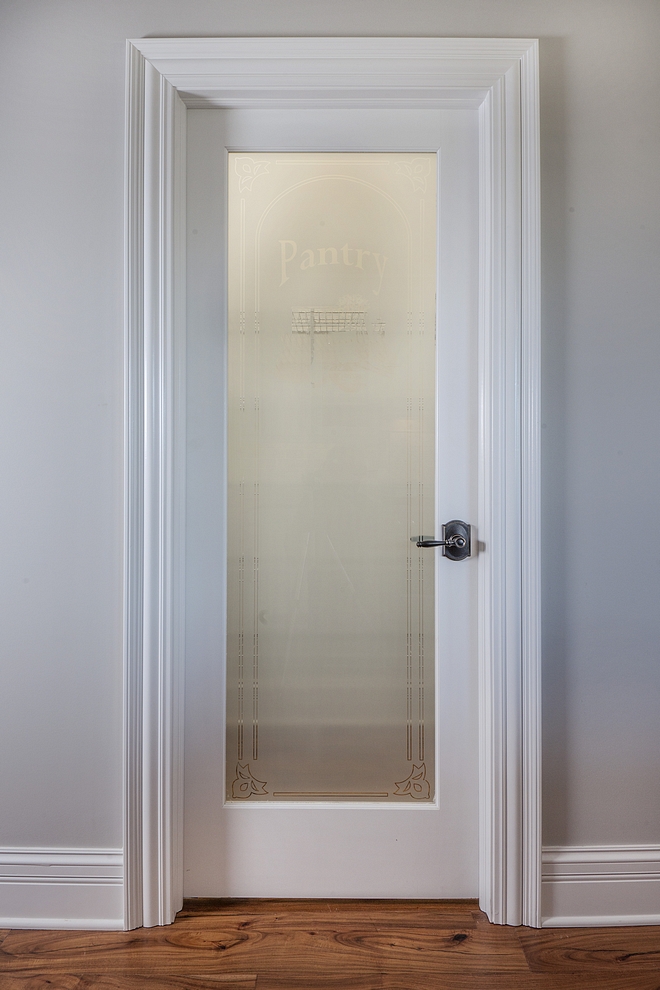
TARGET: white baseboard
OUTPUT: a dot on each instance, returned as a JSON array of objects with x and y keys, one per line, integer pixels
[
  {"x": 61, "y": 888},
  {"x": 600, "y": 885},
  {"x": 581, "y": 886}
]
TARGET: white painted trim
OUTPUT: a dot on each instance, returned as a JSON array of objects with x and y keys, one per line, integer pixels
[
  {"x": 154, "y": 500},
  {"x": 61, "y": 888},
  {"x": 500, "y": 77},
  {"x": 509, "y": 650},
  {"x": 600, "y": 885},
  {"x": 61, "y": 862}
]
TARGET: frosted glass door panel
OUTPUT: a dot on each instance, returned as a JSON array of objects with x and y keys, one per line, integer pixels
[{"x": 331, "y": 446}]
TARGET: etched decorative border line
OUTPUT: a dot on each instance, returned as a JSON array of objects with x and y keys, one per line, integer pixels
[
  {"x": 420, "y": 590},
  {"x": 241, "y": 624},
  {"x": 409, "y": 580},
  {"x": 352, "y": 795}
]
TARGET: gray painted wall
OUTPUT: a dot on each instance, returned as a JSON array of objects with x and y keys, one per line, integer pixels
[{"x": 61, "y": 185}]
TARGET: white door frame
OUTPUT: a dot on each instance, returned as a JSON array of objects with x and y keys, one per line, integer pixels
[{"x": 500, "y": 78}]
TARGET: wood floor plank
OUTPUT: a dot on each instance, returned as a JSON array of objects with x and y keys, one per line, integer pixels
[
  {"x": 324, "y": 981},
  {"x": 332, "y": 945},
  {"x": 363, "y": 948},
  {"x": 375, "y": 981},
  {"x": 296, "y": 982},
  {"x": 146, "y": 951},
  {"x": 499, "y": 981},
  {"x": 442, "y": 914},
  {"x": 67, "y": 981},
  {"x": 486, "y": 949},
  {"x": 593, "y": 950},
  {"x": 250, "y": 945},
  {"x": 412, "y": 980},
  {"x": 207, "y": 906},
  {"x": 281, "y": 924},
  {"x": 161, "y": 951}
]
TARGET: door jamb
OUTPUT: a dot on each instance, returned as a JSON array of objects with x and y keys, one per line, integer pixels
[{"x": 164, "y": 77}]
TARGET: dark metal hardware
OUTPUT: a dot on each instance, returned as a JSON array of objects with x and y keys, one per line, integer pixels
[
  {"x": 453, "y": 541},
  {"x": 456, "y": 540}
]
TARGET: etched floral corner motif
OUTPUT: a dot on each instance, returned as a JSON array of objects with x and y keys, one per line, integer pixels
[
  {"x": 246, "y": 784},
  {"x": 417, "y": 171},
  {"x": 415, "y": 785},
  {"x": 247, "y": 170}
]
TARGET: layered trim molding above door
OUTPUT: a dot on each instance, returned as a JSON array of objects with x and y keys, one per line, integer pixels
[{"x": 500, "y": 78}]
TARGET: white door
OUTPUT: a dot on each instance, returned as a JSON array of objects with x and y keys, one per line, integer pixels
[{"x": 287, "y": 792}]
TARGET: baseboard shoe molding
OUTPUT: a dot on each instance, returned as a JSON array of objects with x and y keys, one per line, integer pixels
[
  {"x": 591, "y": 886},
  {"x": 62, "y": 888}
]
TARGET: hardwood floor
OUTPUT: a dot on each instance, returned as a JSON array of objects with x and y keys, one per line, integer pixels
[{"x": 332, "y": 945}]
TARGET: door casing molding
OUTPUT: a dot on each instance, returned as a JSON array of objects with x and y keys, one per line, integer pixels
[{"x": 164, "y": 77}]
